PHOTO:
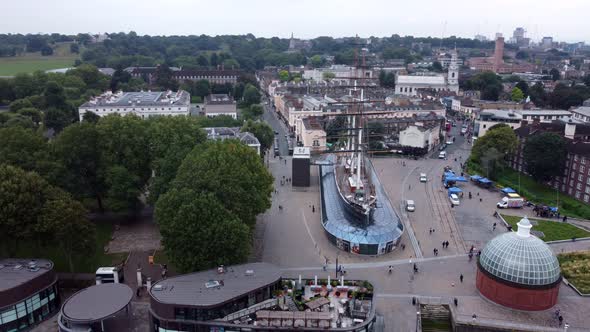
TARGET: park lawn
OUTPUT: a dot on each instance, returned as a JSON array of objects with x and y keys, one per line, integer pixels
[
  {"x": 536, "y": 192},
  {"x": 10, "y": 66},
  {"x": 553, "y": 230},
  {"x": 83, "y": 262},
  {"x": 575, "y": 267}
]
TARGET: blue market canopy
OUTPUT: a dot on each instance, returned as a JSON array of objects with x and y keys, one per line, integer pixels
[
  {"x": 460, "y": 179},
  {"x": 448, "y": 174},
  {"x": 454, "y": 190},
  {"x": 484, "y": 181},
  {"x": 508, "y": 190},
  {"x": 475, "y": 177},
  {"x": 553, "y": 209}
]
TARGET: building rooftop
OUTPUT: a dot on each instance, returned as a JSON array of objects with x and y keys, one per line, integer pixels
[
  {"x": 143, "y": 98},
  {"x": 521, "y": 258},
  {"x": 211, "y": 288},
  {"x": 221, "y": 133},
  {"x": 500, "y": 114},
  {"x": 583, "y": 110},
  {"x": 407, "y": 79},
  {"x": 15, "y": 272},
  {"x": 545, "y": 112},
  {"x": 219, "y": 99},
  {"x": 312, "y": 123},
  {"x": 96, "y": 302}
]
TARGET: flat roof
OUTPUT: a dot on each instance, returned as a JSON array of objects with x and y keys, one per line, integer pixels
[
  {"x": 410, "y": 79},
  {"x": 210, "y": 288},
  {"x": 138, "y": 99},
  {"x": 17, "y": 271},
  {"x": 96, "y": 303},
  {"x": 583, "y": 110}
]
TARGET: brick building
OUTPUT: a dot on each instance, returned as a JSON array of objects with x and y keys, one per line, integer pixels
[{"x": 575, "y": 181}]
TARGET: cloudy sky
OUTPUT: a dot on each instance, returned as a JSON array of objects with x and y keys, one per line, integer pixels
[{"x": 564, "y": 20}]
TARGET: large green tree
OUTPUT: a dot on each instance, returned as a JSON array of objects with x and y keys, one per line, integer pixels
[
  {"x": 251, "y": 95},
  {"x": 263, "y": 132},
  {"x": 490, "y": 150},
  {"x": 198, "y": 232},
  {"x": 77, "y": 149},
  {"x": 64, "y": 220},
  {"x": 545, "y": 156},
  {"x": 22, "y": 196},
  {"x": 233, "y": 172},
  {"x": 516, "y": 95},
  {"x": 22, "y": 147},
  {"x": 125, "y": 155},
  {"x": 171, "y": 139}
]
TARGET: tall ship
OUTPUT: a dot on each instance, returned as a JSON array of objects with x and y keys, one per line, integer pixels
[{"x": 353, "y": 182}]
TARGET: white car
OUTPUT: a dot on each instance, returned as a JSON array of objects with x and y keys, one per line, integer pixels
[
  {"x": 410, "y": 206},
  {"x": 423, "y": 177},
  {"x": 442, "y": 155},
  {"x": 449, "y": 142},
  {"x": 454, "y": 199}
]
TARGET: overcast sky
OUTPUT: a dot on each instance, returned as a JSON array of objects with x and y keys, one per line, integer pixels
[{"x": 565, "y": 20}]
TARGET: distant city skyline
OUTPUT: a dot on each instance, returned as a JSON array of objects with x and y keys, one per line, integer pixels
[{"x": 305, "y": 18}]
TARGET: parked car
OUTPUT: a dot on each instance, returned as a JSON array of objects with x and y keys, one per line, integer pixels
[
  {"x": 454, "y": 199},
  {"x": 442, "y": 155},
  {"x": 410, "y": 206},
  {"x": 449, "y": 142},
  {"x": 442, "y": 147}
]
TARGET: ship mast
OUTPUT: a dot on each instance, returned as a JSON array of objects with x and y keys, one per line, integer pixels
[{"x": 360, "y": 147}]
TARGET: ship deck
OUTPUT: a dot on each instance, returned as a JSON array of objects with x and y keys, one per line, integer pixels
[{"x": 385, "y": 226}]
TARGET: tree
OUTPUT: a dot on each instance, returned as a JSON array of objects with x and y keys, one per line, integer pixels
[
  {"x": 317, "y": 61},
  {"x": 22, "y": 148},
  {"x": 491, "y": 149},
  {"x": 119, "y": 77},
  {"x": 32, "y": 113},
  {"x": 58, "y": 119},
  {"x": 524, "y": 87},
  {"x": 170, "y": 140},
  {"x": 76, "y": 148},
  {"x": 19, "y": 104},
  {"x": 91, "y": 117},
  {"x": 231, "y": 171},
  {"x": 263, "y": 132},
  {"x": 522, "y": 55},
  {"x": 65, "y": 220},
  {"x": 125, "y": 159},
  {"x": 587, "y": 80},
  {"x": 488, "y": 83},
  {"x": 284, "y": 75},
  {"x": 328, "y": 76},
  {"x": 201, "y": 88},
  {"x": 387, "y": 79},
  {"x": 46, "y": 50},
  {"x": 545, "y": 156},
  {"x": 164, "y": 78},
  {"x": 21, "y": 197},
  {"x": 74, "y": 48},
  {"x": 18, "y": 120},
  {"x": 251, "y": 95},
  {"x": 516, "y": 95},
  {"x": 437, "y": 66},
  {"x": 198, "y": 231},
  {"x": 253, "y": 112},
  {"x": 538, "y": 95},
  {"x": 555, "y": 75},
  {"x": 54, "y": 95}
]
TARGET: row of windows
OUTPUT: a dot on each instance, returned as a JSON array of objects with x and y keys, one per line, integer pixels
[
  {"x": 29, "y": 312},
  {"x": 133, "y": 109}
]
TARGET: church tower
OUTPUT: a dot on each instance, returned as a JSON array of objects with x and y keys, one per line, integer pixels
[{"x": 453, "y": 73}]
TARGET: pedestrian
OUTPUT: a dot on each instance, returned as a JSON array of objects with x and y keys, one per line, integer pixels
[
  {"x": 430, "y": 231},
  {"x": 471, "y": 249},
  {"x": 455, "y": 301},
  {"x": 137, "y": 292},
  {"x": 480, "y": 199},
  {"x": 478, "y": 193},
  {"x": 433, "y": 230},
  {"x": 560, "y": 320},
  {"x": 461, "y": 278},
  {"x": 403, "y": 246},
  {"x": 434, "y": 252},
  {"x": 452, "y": 205},
  {"x": 447, "y": 244},
  {"x": 313, "y": 208},
  {"x": 494, "y": 227},
  {"x": 470, "y": 256},
  {"x": 564, "y": 218},
  {"x": 409, "y": 187}
]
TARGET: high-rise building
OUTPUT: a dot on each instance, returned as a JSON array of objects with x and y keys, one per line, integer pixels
[{"x": 547, "y": 42}]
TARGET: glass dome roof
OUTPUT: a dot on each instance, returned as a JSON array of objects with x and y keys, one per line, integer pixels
[{"x": 520, "y": 257}]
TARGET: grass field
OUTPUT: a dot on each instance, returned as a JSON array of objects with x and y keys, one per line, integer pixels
[
  {"x": 553, "y": 230},
  {"x": 83, "y": 263},
  {"x": 537, "y": 193},
  {"x": 575, "y": 267},
  {"x": 28, "y": 64}
]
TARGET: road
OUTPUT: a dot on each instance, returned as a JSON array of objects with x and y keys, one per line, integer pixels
[{"x": 271, "y": 118}]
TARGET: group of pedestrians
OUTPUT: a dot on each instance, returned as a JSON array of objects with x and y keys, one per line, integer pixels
[{"x": 445, "y": 244}]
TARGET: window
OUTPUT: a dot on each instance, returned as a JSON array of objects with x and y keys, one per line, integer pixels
[
  {"x": 582, "y": 169},
  {"x": 579, "y": 186},
  {"x": 575, "y": 157},
  {"x": 583, "y": 161},
  {"x": 578, "y": 194},
  {"x": 586, "y": 198},
  {"x": 580, "y": 176},
  {"x": 316, "y": 142}
]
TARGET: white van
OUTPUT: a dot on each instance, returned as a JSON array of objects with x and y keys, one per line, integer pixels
[
  {"x": 454, "y": 199},
  {"x": 442, "y": 155},
  {"x": 109, "y": 275},
  {"x": 423, "y": 177}
]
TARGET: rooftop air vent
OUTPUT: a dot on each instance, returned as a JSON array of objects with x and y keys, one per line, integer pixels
[{"x": 212, "y": 284}]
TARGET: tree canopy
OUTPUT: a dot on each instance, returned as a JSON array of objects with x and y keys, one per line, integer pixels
[
  {"x": 490, "y": 150},
  {"x": 263, "y": 132},
  {"x": 545, "y": 156}
]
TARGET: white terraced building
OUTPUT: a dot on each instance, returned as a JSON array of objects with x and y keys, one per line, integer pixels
[{"x": 143, "y": 104}]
